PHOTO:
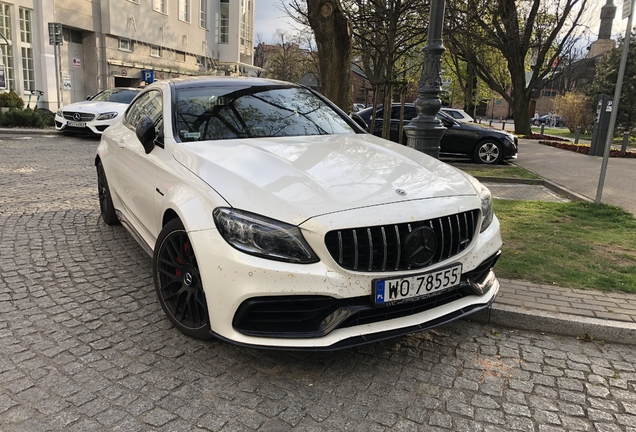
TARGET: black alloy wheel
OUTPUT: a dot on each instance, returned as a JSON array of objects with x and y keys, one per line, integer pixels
[
  {"x": 488, "y": 152},
  {"x": 178, "y": 282},
  {"x": 106, "y": 207}
]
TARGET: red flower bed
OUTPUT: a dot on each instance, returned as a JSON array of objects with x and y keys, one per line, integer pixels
[
  {"x": 540, "y": 137},
  {"x": 585, "y": 148}
]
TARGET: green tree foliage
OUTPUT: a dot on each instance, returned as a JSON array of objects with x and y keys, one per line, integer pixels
[
  {"x": 286, "y": 60},
  {"x": 605, "y": 83},
  {"x": 388, "y": 35},
  {"x": 528, "y": 35}
]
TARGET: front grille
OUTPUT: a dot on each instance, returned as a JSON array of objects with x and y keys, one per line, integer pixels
[
  {"x": 380, "y": 248},
  {"x": 70, "y": 115}
]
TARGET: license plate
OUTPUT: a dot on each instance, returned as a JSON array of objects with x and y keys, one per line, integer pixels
[
  {"x": 416, "y": 286},
  {"x": 76, "y": 124}
]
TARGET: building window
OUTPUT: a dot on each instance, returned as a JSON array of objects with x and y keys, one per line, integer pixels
[
  {"x": 125, "y": 44},
  {"x": 224, "y": 31},
  {"x": 246, "y": 24},
  {"x": 7, "y": 50},
  {"x": 184, "y": 10},
  {"x": 28, "y": 70},
  {"x": 159, "y": 5},
  {"x": 155, "y": 51},
  {"x": 25, "y": 25},
  {"x": 549, "y": 93},
  {"x": 203, "y": 18},
  {"x": 180, "y": 56}
]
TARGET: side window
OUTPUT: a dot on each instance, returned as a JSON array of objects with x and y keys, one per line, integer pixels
[{"x": 410, "y": 112}]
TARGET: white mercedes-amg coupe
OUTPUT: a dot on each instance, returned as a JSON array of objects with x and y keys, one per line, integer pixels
[{"x": 273, "y": 220}]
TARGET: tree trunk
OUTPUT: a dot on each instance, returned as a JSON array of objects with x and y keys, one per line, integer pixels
[{"x": 332, "y": 31}]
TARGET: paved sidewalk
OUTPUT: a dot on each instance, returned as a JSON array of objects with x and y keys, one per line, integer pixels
[{"x": 589, "y": 314}]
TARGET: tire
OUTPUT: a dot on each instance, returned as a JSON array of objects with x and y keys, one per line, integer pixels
[
  {"x": 178, "y": 282},
  {"x": 106, "y": 206},
  {"x": 488, "y": 152}
]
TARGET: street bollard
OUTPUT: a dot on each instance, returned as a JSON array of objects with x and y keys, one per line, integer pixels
[
  {"x": 542, "y": 127},
  {"x": 503, "y": 126},
  {"x": 625, "y": 140},
  {"x": 578, "y": 135},
  {"x": 490, "y": 123}
]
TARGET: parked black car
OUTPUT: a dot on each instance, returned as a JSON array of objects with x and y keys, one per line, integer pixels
[{"x": 483, "y": 145}]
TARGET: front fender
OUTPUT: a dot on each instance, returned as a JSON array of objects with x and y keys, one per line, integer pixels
[{"x": 191, "y": 199}]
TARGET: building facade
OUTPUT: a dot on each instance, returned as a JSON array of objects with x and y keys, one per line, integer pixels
[{"x": 118, "y": 43}]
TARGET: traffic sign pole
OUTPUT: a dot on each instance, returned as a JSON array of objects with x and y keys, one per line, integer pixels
[{"x": 617, "y": 95}]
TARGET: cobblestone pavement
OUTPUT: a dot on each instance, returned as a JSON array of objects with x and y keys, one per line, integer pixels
[{"x": 85, "y": 346}]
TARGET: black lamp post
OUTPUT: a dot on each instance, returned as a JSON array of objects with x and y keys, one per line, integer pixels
[{"x": 425, "y": 131}]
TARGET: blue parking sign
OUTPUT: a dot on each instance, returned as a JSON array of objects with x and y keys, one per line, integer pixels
[{"x": 148, "y": 76}]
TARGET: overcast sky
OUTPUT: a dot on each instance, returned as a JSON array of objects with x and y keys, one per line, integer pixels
[{"x": 268, "y": 18}]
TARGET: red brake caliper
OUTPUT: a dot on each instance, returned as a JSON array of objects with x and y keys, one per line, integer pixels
[{"x": 186, "y": 247}]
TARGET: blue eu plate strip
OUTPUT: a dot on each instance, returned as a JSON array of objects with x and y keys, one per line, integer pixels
[{"x": 379, "y": 292}]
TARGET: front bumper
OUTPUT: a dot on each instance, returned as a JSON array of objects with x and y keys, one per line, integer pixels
[
  {"x": 235, "y": 283},
  {"x": 93, "y": 127},
  {"x": 511, "y": 149}
]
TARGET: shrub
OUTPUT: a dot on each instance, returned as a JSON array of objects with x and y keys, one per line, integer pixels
[
  {"x": 11, "y": 100},
  {"x": 24, "y": 118},
  {"x": 576, "y": 111}
]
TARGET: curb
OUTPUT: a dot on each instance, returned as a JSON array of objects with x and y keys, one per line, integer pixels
[
  {"x": 591, "y": 329},
  {"x": 18, "y": 131}
]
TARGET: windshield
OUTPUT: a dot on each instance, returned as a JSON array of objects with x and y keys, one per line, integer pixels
[
  {"x": 113, "y": 95},
  {"x": 215, "y": 113}
]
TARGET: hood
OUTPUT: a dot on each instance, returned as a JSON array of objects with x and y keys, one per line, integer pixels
[
  {"x": 295, "y": 178},
  {"x": 492, "y": 132},
  {"x": 96, "y": 107}
]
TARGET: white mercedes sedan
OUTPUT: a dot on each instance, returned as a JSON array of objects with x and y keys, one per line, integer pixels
[
  {"x": 95, "y": 115},
  {"x": 273, "y": 220}
]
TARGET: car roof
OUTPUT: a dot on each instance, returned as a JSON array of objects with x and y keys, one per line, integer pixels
[{"x": 225, "y": 81}]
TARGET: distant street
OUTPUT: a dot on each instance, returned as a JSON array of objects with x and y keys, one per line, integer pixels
[{"x": 580, "y": 173}]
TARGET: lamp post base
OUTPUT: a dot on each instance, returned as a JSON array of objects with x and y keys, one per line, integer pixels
[{"x": 424, "y": 135}]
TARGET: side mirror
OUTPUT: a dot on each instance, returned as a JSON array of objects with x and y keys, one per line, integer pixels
[
  {"x": 146, "y": 133},
  {"x": 356, "y": 118}
]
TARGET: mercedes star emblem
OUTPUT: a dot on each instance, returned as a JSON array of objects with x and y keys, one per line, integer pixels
[
  {"x": 77, "y": 116},
  {"x": 188, "y": 278},
  {"x": 420, "y": 246}
]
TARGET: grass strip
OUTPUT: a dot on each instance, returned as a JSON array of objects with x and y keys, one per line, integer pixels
[
  {"x": 500, "y": 171},
  {"x": 574, "y": 244}
]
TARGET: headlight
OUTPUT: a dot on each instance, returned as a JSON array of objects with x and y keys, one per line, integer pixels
[
  {"x": 486, "y": 201},
  {"x": 263, "y": 237},
  {"x": 107, "y": 116},
  {"x": 59, "y": 112},
  {"x": 486, "y": 206}
]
